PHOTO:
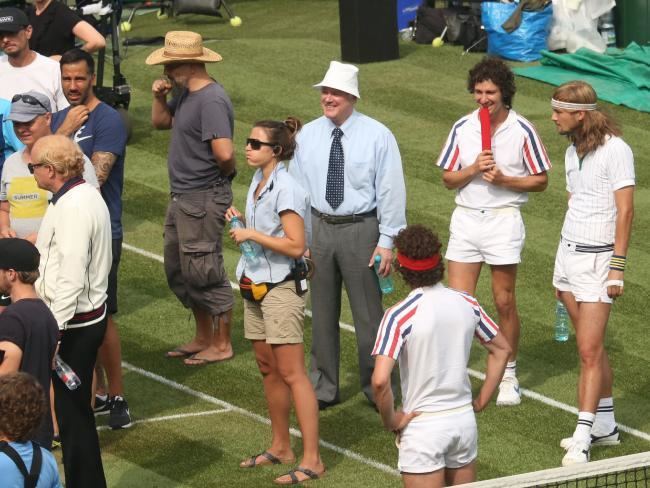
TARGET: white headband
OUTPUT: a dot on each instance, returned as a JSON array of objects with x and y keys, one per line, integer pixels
[{"x": 573, "y": 106}]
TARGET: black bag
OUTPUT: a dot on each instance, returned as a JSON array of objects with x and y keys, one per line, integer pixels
[
  {"x": 429, "y": 24},
  {"x": 203, "y": 7}
]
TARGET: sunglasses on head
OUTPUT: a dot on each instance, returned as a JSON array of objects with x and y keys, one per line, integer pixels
[
  {"x": 31, "y": 166},
  {"x": 28, "y": 99},
  {"x": 256, "y": 144}
]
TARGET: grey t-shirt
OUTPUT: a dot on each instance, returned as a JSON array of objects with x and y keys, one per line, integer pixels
[{"x": 199, "y": 117}]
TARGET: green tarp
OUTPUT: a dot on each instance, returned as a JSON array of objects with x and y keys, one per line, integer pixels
[{"x": 620, "y": 77}]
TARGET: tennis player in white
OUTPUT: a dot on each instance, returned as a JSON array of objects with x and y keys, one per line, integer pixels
[
  {"x": 491, "y": 185},
  {"x": 591, "y": 257},
  {"x": 430, "y": 332}
]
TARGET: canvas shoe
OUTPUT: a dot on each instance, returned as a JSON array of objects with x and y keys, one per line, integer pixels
[
  {"x": 577, "y": 453},
  {"x": 102, "y": 405},
  {"x": 509, "y": 391},
  {"x": 611, "y": 439},
  {"x": 119, "y": 417}
]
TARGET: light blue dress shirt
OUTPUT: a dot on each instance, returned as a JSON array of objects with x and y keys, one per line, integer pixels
[
  {"x": 373, "y": 171},
  {"x": 281, "y": 192}
]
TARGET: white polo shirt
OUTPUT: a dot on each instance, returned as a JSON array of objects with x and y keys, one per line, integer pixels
[
  {"x": 430, "y": 334},
  {"x": 591, "y": 217},
  {"x": 518, "y": 151}
]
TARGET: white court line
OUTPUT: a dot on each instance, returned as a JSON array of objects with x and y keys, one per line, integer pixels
[
  {"x": 171, "y": 417},
  {"x": 233, "y": 408},
  {"x": 476, "y": 374}
]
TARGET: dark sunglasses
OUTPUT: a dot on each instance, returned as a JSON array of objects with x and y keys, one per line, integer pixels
[
  {"x": 31, "y": 166},
  {"x": 256, "y": 144},
  {"x": 28, "y": 99}
]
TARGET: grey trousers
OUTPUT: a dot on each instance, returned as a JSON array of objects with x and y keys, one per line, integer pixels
[{"x": 341, "y": 253}]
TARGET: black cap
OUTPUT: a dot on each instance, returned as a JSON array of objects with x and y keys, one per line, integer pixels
[
  {"x": 12, "y": 19},
  {"x": 18, "y": 254}
]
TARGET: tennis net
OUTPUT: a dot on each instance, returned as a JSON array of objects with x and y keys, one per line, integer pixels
[{"x": 631, "y": 471}]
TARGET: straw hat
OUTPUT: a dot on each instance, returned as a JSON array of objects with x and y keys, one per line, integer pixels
[
  {"x": 183, "y": 47},
  {"x": 342, "y": 77}
]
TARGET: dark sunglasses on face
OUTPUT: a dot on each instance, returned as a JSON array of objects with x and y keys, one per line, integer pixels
[
  {"x": 31, "y": 166},
  {"x": 28, "y": 99},
  {"x": 256, "y": 144}
]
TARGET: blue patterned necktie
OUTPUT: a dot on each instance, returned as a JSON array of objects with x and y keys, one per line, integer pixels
[{"x": 335, "y": 171}]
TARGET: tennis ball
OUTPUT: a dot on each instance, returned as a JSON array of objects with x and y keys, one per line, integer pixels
[
  {"x": 437, "y": 42},
  {"x": 125, "y": 26},
  {"x": 235, "y": 21}
]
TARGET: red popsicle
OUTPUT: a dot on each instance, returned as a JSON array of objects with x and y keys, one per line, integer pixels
[{"x": 486, "y": 137}]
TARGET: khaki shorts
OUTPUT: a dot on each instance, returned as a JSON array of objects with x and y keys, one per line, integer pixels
[{"x": 278, "y": 319}]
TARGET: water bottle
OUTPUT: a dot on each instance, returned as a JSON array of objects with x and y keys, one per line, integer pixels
[
  {"x": 66, "y": 373},
  {"x": 247, "y": 249},
  {"x": 385, "y": 282},
  {"x": 561, "y": 322}
]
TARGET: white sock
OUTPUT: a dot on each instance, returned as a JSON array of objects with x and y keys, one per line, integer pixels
[
  {"x": 583, "y": 429},
  {"x": 605, "y": 421},
  {"x": 102, "y": 397},
  {"x": 511, "y": 369}
]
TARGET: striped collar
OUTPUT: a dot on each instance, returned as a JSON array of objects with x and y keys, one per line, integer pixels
[{"x": 68, "y": 185}]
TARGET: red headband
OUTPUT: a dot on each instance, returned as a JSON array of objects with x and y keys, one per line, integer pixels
[{"x": 418, "y": 264}]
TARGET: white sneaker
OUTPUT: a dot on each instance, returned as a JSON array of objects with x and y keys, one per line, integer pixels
[
  {"x": 577, "y": 453},
  {"x": 611, "y": 439},
  {"x": 509, "y": 391}
]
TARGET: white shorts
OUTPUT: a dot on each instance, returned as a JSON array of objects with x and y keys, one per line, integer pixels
[
  {"x": 492, "y": 236},
  {"x": 432, "y": 442},
  {"x": 582, "y": 273}
]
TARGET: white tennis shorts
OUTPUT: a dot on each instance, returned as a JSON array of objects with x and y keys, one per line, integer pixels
[
  {"x": 492, "y": 236},
  {"x": 582, "y": 273},
  {"x": 432, "y": 442}
]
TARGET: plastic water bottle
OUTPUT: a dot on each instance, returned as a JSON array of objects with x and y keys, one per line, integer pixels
[
  {"x": 607, "y": 28},
  {"x": 385, "y": 282},
  {"x": 561, "y": 323},
  {"x": 247, "y": 249},
  {"x": 66, "y": 373}
]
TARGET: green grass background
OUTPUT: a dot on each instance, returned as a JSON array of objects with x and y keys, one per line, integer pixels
[{"x": 270, "y": 63}]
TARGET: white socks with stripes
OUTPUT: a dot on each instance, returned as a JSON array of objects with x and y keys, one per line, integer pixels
[
  {"x": 605, "y": 422},
  {"x": 511, "y": 369},
  {"x": 583, "y": 429}
]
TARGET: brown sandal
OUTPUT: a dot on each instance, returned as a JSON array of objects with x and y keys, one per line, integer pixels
[
  {"x": 270, "y": 460},
  {"x": 311, "y": 475}
]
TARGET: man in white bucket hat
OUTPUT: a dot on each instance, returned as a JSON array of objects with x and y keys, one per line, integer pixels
[
  {"x": 351, "y": 166},
  {"x": 201, "y": 164}
]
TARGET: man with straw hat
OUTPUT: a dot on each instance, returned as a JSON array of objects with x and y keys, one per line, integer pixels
[
  {"x": 352, "y": 169},
  {"x": 201, "y": 165}
]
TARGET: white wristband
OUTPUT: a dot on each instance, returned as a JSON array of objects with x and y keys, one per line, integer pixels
[{"x": 614, "y": 283}]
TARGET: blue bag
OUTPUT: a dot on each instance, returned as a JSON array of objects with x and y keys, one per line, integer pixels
[{"x": 525, "y": 43}]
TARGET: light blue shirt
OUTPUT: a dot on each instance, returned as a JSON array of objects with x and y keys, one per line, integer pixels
[
  {"x": 10, "y": 476},
  {"x": 11, "y": 141},
  {"x": 281, "y": 192},
  {"x": 373, "y": 171}
]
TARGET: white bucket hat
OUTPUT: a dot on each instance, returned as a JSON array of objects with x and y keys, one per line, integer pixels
[{"x": 342, "y": 77}]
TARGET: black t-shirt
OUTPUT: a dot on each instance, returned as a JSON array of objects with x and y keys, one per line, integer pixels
[
  {"x": 30, "y": 325},
  {"x": 52, "y": 30}
]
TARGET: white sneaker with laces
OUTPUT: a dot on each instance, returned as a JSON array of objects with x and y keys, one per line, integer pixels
[
  {"x": 611, "y": 439},
  {"x": 577, "y": 453},
  {"x": 509, "y": 391}
]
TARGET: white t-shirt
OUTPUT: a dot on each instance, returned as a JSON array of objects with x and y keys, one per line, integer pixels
[
  {"x": 518, "y": 151},
  {"x": 27, "y": 202},
  {"x": 430, "y": 334},
  {"x": 42, "y": 75},
  {"x": 591, "y": 217}
]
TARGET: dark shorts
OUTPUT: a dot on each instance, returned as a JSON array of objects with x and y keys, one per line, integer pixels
[
  {"x": 194, "y": 266},
  {"x": 111, "y": 301}
]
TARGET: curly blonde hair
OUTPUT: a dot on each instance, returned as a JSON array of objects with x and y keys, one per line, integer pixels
[
  {"x": 596, "y": 125},
  {"x": 61, "y": 153}
]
